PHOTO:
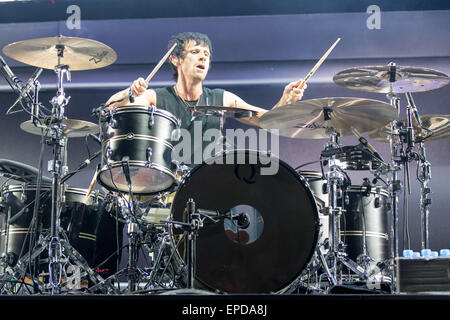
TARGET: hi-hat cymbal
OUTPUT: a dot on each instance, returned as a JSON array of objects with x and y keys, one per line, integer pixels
[
  {"x": 73, "y": 128},
  {"x": 217, "y": 110},
  {"x": 378, "y": 79},
  {"x": 47, "y": 53},
  {"x": 433, "y": 127},
  {"x": 317, "y": 118}
]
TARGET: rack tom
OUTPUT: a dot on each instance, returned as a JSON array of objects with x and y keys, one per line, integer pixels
[{"x": 137, "y": 144}]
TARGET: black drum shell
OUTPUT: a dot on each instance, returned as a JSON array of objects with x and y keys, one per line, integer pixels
[
  {"x": 127, "y": 134},
  {"x": 290, "y": 218},
  {"x": 84, "y": 225},
  {"x": 366, "y": 217}
]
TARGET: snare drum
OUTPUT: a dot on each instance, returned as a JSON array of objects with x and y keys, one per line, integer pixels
[
  {"x": 270, "y": 227},
  {"x": 137, "y": 144}
]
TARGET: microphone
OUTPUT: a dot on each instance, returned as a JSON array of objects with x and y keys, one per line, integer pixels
[
  {"x": 126, "y": 171},
  {"x": 10, "y": 74},
  {"x": 410, "y": 100},
  {"x": 28, "y": 86},
  {"x": 95, "y": 138},
  {"x": 242, "y": 220},
  {"x": 366, "y": 144}
]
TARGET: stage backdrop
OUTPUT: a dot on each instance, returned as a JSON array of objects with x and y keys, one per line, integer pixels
[{"x": 257, "y": 49}]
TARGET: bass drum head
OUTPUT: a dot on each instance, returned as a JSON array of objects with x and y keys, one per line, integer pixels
[{"x": 264, "y": 252}]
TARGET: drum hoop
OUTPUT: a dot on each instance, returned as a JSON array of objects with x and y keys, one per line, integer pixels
[
  {"x": 156, "y": 166},
  {"x": 138, "y": 137},
  {"x": 47, "y": 187},
  {"x": 367, "y": 233},
  {"x": 137, "y": 163},
  {"x": 139, "y": 109},
  {"x": 14, "y": 230},
  {"x": 374, "y": 190}
]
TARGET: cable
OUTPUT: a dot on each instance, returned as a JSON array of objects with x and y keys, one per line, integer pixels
[{"x": 406, "y": 235}]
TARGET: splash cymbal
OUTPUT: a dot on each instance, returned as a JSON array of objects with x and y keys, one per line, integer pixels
[{"x": 391, "y": 79}]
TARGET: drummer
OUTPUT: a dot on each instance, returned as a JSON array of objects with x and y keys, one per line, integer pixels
[{"x": 191, "y": 61}]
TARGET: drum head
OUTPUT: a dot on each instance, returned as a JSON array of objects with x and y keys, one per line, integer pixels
[{"x": 275, "y": 230}]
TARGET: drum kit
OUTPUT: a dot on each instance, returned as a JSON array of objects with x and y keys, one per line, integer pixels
[{"x": 220, "y": 227}]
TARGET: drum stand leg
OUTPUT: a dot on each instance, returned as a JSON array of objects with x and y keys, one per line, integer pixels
[
  {"x": 193, "y": 225},
  {"x": 337, "y": 256}
]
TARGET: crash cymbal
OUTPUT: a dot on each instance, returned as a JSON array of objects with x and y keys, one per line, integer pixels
[
  {"x": 317, "y": 118},
  {"x": 433, "y": 127},
  {"x": 378, "y": 79},
  {"x": 73, "y": 128},
  {"x": 47, "y": 53}
]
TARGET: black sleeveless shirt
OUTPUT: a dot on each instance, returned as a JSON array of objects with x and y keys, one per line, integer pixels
[{"x": 167, "y": 99}]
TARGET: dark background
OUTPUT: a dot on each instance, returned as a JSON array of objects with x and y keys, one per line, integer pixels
[{"x": 258, "y": 47}]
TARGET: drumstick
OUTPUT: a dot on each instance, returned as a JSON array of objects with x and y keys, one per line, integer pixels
[
  {"x": 160, "y": 63},
  {"x": 91, "y": 187},
  {"x": 313, "y": 70}
]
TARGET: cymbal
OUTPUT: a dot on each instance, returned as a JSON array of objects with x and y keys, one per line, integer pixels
[
  {"x": 73, "y": 128},
  {"x": 377, "y": 79},
  {"x": 317, "y": 118},
  {"x": 437, "y": 123},
  {"x": 47, "y": 53},
  {"x": 216, "y": 110},
  {"x": 21, "y": 172}
]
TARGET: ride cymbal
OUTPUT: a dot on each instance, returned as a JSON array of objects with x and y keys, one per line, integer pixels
[
  {"x": 317, "y": 118},
  {"x": 47, "y": 53}
]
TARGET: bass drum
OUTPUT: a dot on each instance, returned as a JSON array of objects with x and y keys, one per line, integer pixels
[
  {"x": 318, "y": 186},
  {"x": 270, "y": 227}
]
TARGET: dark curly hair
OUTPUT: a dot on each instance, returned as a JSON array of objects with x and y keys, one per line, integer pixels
[{"x": 181, "y": 40}]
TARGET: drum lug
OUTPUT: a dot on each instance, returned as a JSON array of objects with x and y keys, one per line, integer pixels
[
  {"x": 148, "y": 154},
  {"x": 151, "y": 121},
  {"x": 175, "y": 135},
  {"x": 108, "y": 154},
  {"x": 112, "y": 123}
]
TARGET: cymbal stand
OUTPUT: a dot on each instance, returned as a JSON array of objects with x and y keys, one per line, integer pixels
[
  {"x": 55, "y": 241},
  {"x": 424, "y": 176},
  {"x": 335, "y": 182},
  {"x": 395, "y": 186},
  {"x": 423, "y": 169},
  {"x": 192, "y": 226}
]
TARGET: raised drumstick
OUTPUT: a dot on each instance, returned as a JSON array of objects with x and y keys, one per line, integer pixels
[
  {"x": 160, "y": 63},
  {"x": 91, "y": 187},
  {"x": 155, "y": 69},
  {"x": 302, "y": 82}
]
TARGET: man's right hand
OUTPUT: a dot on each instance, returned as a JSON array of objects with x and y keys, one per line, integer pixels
[{"x": 138, "y": 87}]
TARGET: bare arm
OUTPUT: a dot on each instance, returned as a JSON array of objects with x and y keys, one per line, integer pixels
[
  {"x": 292, "y": 92},
  {"x": 142, "y": 95}
]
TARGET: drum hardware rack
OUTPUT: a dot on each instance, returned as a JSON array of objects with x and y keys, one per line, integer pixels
[{"x": 335, "y": 189}]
